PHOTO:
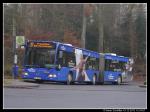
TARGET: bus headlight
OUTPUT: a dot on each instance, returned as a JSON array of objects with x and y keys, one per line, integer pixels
[
  {"x": 50, "y": 75},
  {"x": 25, "y": 73}
]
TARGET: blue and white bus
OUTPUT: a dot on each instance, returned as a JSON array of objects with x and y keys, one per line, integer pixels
[
  {"x": 112, "y": 68},
  {"x": 53, "y": 61}
]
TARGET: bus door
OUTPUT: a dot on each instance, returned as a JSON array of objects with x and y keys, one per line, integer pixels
[{"x": 78, "y": 54}]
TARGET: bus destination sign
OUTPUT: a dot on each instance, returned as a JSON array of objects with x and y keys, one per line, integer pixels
[{"x": 41, "y": 45}]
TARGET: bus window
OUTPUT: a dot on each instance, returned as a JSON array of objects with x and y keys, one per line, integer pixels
[
  {"x": 40, "y": 57},
  {"x": 95, "y": 63},
  {"x": 115, "y": 66},
  {"x": 92, "y": 63},
  {"x": 110, "y": 65},
  {"x": 88, "y": 64},
  {"x": 107, "y": 64},
  {"x": 66, "y": 59},
  {"x": 122, "y": 65}
]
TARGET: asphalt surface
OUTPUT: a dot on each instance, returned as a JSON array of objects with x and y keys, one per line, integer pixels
[{"x": 51, "y": 95}]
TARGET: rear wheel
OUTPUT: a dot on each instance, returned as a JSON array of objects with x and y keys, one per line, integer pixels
[
  {"x": 39, "y": 81},
  {"x": 101, "y": 83}
]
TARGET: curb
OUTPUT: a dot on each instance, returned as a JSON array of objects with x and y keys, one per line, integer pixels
[
  {"x": 143, "y": 86},
  {"x": 20, "y": 86}
]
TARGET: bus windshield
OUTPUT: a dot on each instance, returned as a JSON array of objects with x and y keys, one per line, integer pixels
[{"x": 39, "y": 57}]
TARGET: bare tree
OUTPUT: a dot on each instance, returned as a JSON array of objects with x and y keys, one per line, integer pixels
[
  {"x": 132, "y": 31},
  {"x": 83, "y": 35},
  {"x": 100, "y": 27}
]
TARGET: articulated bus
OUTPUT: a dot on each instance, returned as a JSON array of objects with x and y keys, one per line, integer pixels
[
  {"x": 54, "y": 61},
  {"x": 112, "y": 68}
]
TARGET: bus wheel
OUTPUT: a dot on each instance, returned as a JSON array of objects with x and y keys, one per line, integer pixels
[
  {"x": 119, "y": 80},
  {"x": 94, "y": 80},
  {"x": 69, "y": 79},
  {"x": 101, "y": 83},
  {"x": 39, "y": 81}
]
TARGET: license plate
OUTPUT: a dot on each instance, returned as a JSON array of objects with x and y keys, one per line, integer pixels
[{"x": 37, "y": 77}]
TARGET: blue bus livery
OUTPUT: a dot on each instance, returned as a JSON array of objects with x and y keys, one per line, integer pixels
[
  {"x": 113, "y": 67},
  {"x": 53, "y": 61}
]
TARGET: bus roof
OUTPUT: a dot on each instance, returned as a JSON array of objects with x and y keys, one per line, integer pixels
[
  {"x": 86, "y": 52},
  {"x": 117, "y": 57},
  {"x": 70, "y": 48},
  {"x": 113, "y": 54}
]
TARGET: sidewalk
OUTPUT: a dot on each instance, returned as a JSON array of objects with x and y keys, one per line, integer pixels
[
  {"x": 139, "y": 83},
  {"x": 139, "y": 79},
  {"x": 18, "y": 83}
]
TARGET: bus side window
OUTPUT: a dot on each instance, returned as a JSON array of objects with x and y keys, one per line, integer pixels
[
  {"x": 66, "y": 59},
  {"x": 89, "y": 64},
  {"x": 123, "y": 66},
  {"x": 92, "y": 63},
  {"x": 71, "y": 62},
  {"x": 95, "y": 63},
  {"x": 107, "y": 64},
  {"x": 60, "y": 58}
]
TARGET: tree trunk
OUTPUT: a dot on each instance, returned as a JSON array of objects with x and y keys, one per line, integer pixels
[
  {"x": 83, "y": 36},
  {"x": 100, "y": 28},
  {"x": 133, "y": 40},
  {"x": 132, "y": 34}
]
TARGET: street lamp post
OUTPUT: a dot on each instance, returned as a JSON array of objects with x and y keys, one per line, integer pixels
[
  {"x": 14, "y": 67},
  {"x": 14, "y": 48}
]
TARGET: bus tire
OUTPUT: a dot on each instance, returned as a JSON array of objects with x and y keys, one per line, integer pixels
[
  {"x": 39, "y": 81},
  {"x": 119, "y": 80},
  {"x": 101, "y": 83},
  {"x": 69, "y": 79},
  {"x": 94, "y": 80}
]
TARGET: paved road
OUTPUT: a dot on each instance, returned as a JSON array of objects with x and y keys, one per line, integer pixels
[{"x": 50, "y": 95}]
